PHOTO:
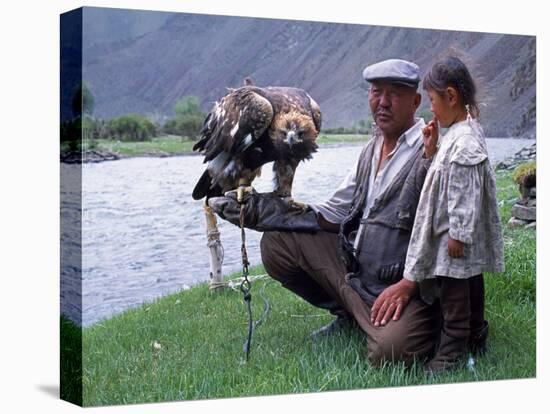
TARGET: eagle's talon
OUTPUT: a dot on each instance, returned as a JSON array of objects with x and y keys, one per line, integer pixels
[
  {"x": 295, "y": 204},
  {"x": 241, "y": 191}
]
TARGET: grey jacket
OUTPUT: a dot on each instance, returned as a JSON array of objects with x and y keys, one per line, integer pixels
[{"x": 379, "y": 259}]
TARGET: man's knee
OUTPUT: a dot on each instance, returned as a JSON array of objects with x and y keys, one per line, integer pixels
[
  {"x": 387, "y": 347},
  {"x": 277, "y": 256},
  {"x": 393, "y": 346},
  {"x": 268, "y": 249}
]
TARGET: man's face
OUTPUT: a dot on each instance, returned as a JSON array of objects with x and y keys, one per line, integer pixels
[{"x": 393, "y": 106}]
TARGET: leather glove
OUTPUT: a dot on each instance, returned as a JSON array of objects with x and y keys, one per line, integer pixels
[{"x": 265, "y": 212}]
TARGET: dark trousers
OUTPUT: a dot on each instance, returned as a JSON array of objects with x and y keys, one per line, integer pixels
[
  {"x": 308, "y": 265},
  {"x": 462, "y": 304}
]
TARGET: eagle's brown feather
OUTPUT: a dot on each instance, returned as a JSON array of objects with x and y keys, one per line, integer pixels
[{"x": 251, "y": 126}]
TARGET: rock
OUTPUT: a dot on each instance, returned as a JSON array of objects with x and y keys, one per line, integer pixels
[
  {"x": 532, "y": 202},
  {"x": 524, "y": 212},
  {"x": 71, "y": 157},
  {"x": 521, "y": 156},
  {"x": 77, "y": 157},
  {"x": 533, "y": 192},
  {"x": 156, "y": 153},
  {"x": 503, "y": 165},
  {"x": 515, "y": 222},
  {"x": 532, "y": 225}
]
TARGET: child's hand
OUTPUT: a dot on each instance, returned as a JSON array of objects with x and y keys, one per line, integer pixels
[
  {"x": 430, "y": 134},
  {"x": 456, "y": 248}
]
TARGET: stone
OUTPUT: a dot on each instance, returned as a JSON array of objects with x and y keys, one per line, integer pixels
[
  {"x": 532, "y": 225},
  {"x": 524, "y": 212},
  {"x": 514, "y": 222},
  {"x": 532, "y": 202},
  {"x": 503, "y": 165},
  {"x": 533, "y": 192}
]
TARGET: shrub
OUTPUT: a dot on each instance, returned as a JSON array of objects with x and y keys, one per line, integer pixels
[
  {"x": 188, "y": 125},
  {"x": 526, "y": 174},
  {"x": 132, "y": 127},
  {"x": 188, "y": 120},
  {"x": 187, "y": 105},
  {"x": 71, "y": 134},
  {"x": 83, "y": 100}
]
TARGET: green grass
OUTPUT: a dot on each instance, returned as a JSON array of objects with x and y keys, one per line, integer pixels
[
  {"x": 167, "y": 144},
  {"x": 174, "y": 145},
  {"x": 201, "y": 337},
  {"x": 70, "y": 361},
  {"x": 344, "y": 139}
]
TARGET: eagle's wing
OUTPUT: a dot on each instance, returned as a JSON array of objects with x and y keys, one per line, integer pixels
[
  {"x": 315, "y": 113},
  {"x": 234, "y": 123}
]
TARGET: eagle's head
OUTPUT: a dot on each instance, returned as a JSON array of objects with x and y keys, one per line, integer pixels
[{"x": 294, "y": 130}]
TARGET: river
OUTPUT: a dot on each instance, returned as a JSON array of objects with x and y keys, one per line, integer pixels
[{"x": 143, "y": 236}]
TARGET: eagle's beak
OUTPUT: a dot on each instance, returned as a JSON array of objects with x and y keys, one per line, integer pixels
[{"x": 291, "y": 137}]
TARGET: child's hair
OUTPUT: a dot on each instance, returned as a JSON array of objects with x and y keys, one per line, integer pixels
[{"x": 451, "y": 71}]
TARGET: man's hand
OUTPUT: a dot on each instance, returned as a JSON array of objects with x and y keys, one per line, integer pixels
[
  {"x": 430, "y": 135},
  {"x": 456, "y": 248},
  {"x": 265, "y": 212},
  {"x": 392, "y": 301},
  {"x": 228, "y": 208}
]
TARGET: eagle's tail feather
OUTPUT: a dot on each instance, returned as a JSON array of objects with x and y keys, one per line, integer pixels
[{"x": 203, "y": 185}]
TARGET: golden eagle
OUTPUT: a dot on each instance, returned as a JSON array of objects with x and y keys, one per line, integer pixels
[{"x": 251, "y": 126}]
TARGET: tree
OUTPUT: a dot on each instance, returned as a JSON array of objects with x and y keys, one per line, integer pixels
[
  {"x": 188, "y": 118},
  {"x": 83, "y": 100},
  {"x": 187, "y": 105},
  {"x": 190, "y": 125}
]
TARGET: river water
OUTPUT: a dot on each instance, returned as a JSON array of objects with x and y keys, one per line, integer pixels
[{"x": 143, "y": 236}]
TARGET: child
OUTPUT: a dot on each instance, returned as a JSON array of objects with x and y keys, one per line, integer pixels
[{"x": 457, "y": 233}]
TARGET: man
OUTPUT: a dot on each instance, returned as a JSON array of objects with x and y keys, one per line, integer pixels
[{"x": 347, "y": 255}]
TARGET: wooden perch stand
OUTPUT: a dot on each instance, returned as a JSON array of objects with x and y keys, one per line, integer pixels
[{"x": 216, "y": 250}]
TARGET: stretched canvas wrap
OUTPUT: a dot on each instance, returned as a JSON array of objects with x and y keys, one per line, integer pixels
[{"x": 151, "y": 284}]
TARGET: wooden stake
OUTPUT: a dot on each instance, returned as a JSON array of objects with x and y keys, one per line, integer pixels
[{"x": 216, "y": 250}]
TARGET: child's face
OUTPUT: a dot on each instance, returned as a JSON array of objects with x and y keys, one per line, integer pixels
[{"x": 443, "y": 106}]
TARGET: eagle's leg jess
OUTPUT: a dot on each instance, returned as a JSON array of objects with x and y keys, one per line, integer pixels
[
  {"x": 244, "y": 185},
  {"x": 298, "y": 204},
  {"x": 243, "y": 188},
  {"x": 283, "y": 179}
]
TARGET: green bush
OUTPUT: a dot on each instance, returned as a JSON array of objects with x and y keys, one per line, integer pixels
[
  {"x": 71, "y": 134},
  {"x": 186, "y": 126},
  {"x": 187, "y": 105},
  {"x": 346, "y": 131},
  {"x": 188, "y": 119},
  {"x": 83, "y": 100},
  {"x": 131, "y": 127},
  {"x": 526, "y": 174},
  {"x": 362, "y": 127}
]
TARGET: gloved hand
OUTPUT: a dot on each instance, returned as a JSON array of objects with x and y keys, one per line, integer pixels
[{"x": 265, "y": 212}]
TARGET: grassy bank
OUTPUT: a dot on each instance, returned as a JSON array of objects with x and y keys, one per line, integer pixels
[
  {"x": 342, "y": 139},
  {"x": 189, "y": 345},
  {"x": 167, "y": 144},
  {"x": 174, "y": 145}
]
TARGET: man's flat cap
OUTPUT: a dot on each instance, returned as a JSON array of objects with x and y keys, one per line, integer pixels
[{"x": 393, "y": 70}]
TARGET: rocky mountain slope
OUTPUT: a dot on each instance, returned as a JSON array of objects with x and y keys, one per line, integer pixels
[{"x": 201, "y": 55}]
